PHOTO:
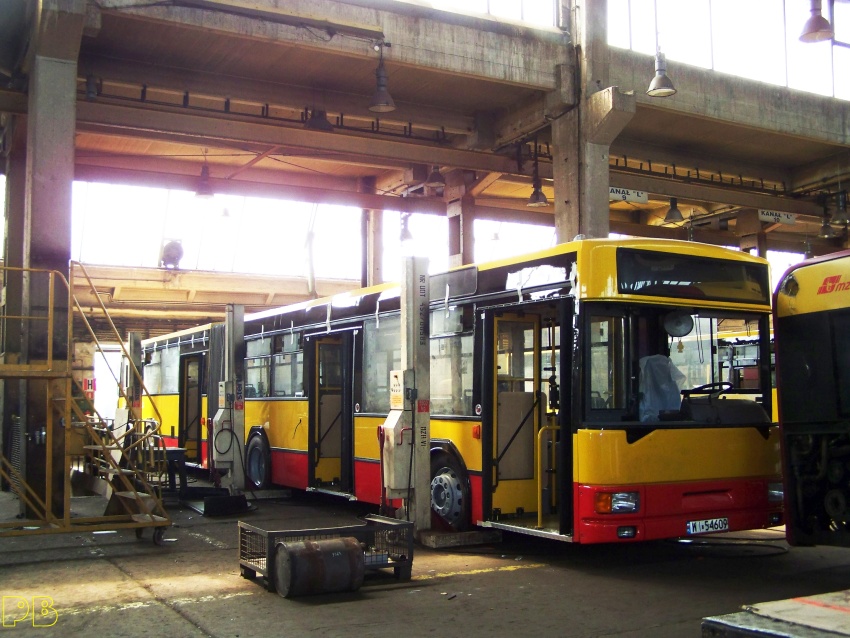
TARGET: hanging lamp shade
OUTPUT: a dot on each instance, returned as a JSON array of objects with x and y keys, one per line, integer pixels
[
  {"x": 817, "y": 28},
  {"x": 673, "y": 215},
  {"x": 382, "y": 101},
  {"x": 840, "y": 218},
  {"x": 661, "y": 85},
  {"x": 538, "y": 198},
  {"x": 204, "y": 187},
  {"x": 435, "y": 179},
  {"x": 318, "y": 121},
  {"x": 826, "y": 231}
]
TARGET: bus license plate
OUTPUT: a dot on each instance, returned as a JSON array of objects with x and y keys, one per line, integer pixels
[{"x": 708, "y": 525}]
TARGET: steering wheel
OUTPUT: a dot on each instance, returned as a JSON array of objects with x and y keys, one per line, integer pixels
[{"x": 718, "y": 387}]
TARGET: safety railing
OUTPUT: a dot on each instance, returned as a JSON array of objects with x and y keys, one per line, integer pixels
[{"x": 131, "y": 459}]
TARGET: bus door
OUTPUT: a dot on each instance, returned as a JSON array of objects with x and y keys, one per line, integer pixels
[
  {"x": 331, "y": 447},
  {"x": 516, "y": 410},
  {"x": 190, "y": 433}
]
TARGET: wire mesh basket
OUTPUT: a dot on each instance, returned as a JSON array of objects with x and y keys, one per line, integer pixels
[{"x": 387, "y": 543}]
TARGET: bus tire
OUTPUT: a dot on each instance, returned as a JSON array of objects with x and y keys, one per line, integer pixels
[
  {"x": 258, "y": 462},
  {"x": 449, "y": 493}
]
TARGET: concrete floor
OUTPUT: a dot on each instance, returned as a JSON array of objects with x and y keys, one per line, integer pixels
[{"x": 113, "y": 584}]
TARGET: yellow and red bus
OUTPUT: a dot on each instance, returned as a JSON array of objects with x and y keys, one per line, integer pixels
[
  {"x": 578, "y": 393},
  {"x": 812, "y": 332},
  {"x": 176, "y": 370}
]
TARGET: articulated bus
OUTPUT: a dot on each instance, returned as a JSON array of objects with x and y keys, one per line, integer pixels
[
  {"x": 584, "y": 393},
  {"x": 812, "y": 331},
  {"x": 176, "y": 370}
]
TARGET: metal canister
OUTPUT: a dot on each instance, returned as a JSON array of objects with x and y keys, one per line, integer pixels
[{"x": 318, "y": 567}]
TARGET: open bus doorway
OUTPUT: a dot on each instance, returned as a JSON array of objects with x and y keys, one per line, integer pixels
[
  {"x": 331, "y": 448},
  {"x": 191, "y": 433}
]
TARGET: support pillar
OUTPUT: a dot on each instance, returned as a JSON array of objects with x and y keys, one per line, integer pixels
[
  {"x": 461, "y": 214},
  {"x": 51, "y": 126},
  {"x": 373, "y": 247},
  {"x": 750, "y": 231},
  {"x": 582, "y": 137},
  {"x": 416, "y": 356}
]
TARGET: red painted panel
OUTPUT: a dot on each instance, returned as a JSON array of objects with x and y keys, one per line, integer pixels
[
  {"x": 666, "y": 509},
  {"x": 367, "y": 481},
  {"x": 476, "y": 496},
  {"x": 289, "y": 469}
]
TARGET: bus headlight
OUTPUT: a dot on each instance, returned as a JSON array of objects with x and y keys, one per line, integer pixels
[
  {"x": 775, "y": 492},
  {"x": 617, "y": 502}
]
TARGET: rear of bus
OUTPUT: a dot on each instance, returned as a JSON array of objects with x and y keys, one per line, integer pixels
[{"x": 812, "y": 330}]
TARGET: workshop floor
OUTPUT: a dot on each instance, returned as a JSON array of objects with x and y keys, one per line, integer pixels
[{"x": 113, "y": 584}]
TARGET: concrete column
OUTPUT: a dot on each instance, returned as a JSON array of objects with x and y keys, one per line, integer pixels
[
  {"x": 461, "y": 214},
  {"x": 373, "y": 247},
  {"x": 51, "y": 125},
  {"x": 581, "y": 138},
  {"x": 750, "y": 231}
]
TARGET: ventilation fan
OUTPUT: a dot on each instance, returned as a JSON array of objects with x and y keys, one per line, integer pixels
[{"x": 678, "y": 323}]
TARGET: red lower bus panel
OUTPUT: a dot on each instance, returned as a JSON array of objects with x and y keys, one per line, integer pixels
[
  {"x": 289, "y": 469},
  {"x": 665, "y": 510},
  {"x": 476, "y": 495},
  {"x": 367, "y": 481}
]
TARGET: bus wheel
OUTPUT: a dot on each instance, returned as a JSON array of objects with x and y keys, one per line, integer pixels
[
  {"x": 258, "y": 462},
  {"x": 449, "y": 494}
]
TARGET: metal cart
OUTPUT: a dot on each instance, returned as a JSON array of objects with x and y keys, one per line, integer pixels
[{"x": 387, "y": 542}]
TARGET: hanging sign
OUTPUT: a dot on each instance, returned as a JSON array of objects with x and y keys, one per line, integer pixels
[
  {"x": 627, "y": 195},
  {"x": 777, "y": 217}
]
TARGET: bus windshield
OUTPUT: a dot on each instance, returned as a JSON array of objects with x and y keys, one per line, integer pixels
[{"x": 702, "y": 349}]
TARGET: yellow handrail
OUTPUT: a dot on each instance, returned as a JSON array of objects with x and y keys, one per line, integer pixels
[{"x": 552, "y": 428}]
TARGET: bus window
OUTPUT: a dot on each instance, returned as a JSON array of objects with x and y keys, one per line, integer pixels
[
  {"x": 330, "y": 368},
  {"x": 515, "y": 357},
  {"x": 608, "y": 377},
  {"x": 153, "y": 373},
  {"x": 258, "y": 368},
  {"x": 288, "y": 374},
  {"x": 162, "y": 371},
  {"x": 720, "y": 349},
  {"x": 451, "y": 375},
  {"x": 550, "y": 360},
  {"x": 382, "y": 349}
]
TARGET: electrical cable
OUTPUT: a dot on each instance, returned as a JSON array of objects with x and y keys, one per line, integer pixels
[{"x": 233, "y": 438}]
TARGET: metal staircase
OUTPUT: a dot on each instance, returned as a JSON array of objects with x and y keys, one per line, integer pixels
[{"x": 122, "y": 461}]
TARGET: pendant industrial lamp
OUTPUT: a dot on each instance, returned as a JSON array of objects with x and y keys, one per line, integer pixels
[
  {"x": 435, "y": 179},
  {"x": 318, "y": 121},
  {"x": 673, "y": 215},
  {"x": 661, "y": 85},
  {"x": 840, "y": 218},
  {"x": 204, "y": 190},
  {"x": 817, "y": 28},
  {"x": 382, "y": 101},
  {"x": 538, "y": 198},
  {"x": 826, "y": 231}
]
